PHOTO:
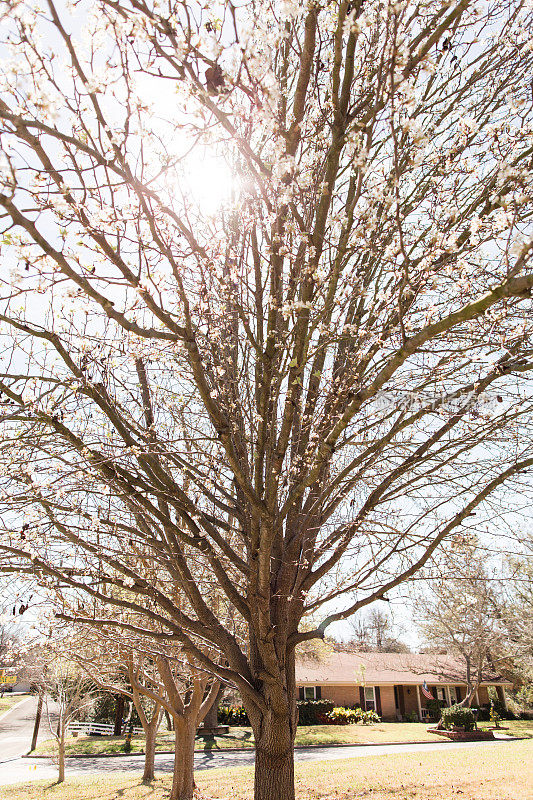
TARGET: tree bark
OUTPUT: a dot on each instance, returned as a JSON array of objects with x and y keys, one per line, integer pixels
[
  {"x": 119, "y": 713},
  {"x": 37, "y": 723},
  {"x": 183, "y": 777},
  {"x": 274, "y": 733},
  {"x": 274, "y": 765},
  {"x": 169, "y": 721},
  {"x": 211, "y": 718},
  {"x": 61, "y": 752},
  {"x": 150, "y": 734},
  {"x": 274, "y": 722}
]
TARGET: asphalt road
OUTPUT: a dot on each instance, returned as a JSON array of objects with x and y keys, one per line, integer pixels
[
  {"x": 27, "y": 769},
  {"x": 16, "y": 729}
]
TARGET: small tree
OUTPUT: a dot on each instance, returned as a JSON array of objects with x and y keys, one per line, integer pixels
[
  {"x": 460, "y": 613},
  {"x": 516, "y": 615},
  {"x": 122, "y": 670},
  {"x": 72, "y": 693},
  {"x": 155, "y": 678}
]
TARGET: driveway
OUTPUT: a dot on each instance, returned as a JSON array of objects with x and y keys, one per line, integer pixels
[{"x": 27, "y": 769}]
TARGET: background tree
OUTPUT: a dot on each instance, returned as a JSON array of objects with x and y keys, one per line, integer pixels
[
  {"x": 286, "y": 386},
  {"x": 10, "y": 644},
  {"x": 374, "y": 632},
  {"x": 116, "y": 667},
  {"x": 460, "y": 613},
  {"x": 516, "y": 614}
]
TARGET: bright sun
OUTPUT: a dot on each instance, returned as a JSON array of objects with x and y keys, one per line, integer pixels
[{"x": 209, "y": 182}]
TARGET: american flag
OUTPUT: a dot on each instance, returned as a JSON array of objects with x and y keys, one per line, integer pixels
[{"x": 426, "y": 692}]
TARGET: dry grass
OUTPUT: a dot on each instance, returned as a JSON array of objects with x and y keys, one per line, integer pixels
[
  {"x": 515, "y": 727},
  {"x": 10, "y": 700},
  {"x": 382, "y": 733},
  {"x": 502, "y": 771}
]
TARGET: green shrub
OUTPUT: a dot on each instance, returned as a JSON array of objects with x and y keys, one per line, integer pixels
[
  {"x": 435, "y": 709},
  {"x": 350, "y": 716},
  {"x": 344, "y": 716},
  {"x": 314, "y": 712},
  {"x": 369, "y": 717},
  {"x": 459, "y": 716},
  {"x": 232, "y": 715}
]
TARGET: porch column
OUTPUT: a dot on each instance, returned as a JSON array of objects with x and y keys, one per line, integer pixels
[
  {"x": 419, "y": 703},
  {"x": 502, "y": 697}
]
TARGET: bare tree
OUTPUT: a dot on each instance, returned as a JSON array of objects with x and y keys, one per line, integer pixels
[
  {"x": 374, "y": 631},
  {"x": 119, "y": 668},
  {"x": 154, "y": 679},
  {"x": 10, "y": 644},
  {"x": 71, "y": 692},
  {"x": 517, "y": 599},
  {"x": 267, "y": 267},
  {"x": 460, "y": 613},
  {"x": 516, "y": 615}
]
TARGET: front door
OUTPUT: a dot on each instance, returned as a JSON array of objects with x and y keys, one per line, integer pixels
[{"x": 399, "y": 700}]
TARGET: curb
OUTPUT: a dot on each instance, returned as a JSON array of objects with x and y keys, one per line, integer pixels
[
  {"x": 252, "y": 749},
  {"x": 9, "y": 710}
]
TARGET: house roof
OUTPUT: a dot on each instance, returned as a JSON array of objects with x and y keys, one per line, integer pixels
[{"x": 376, "y": 668}]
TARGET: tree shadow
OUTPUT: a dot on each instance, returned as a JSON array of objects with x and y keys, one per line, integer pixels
[{"x": 210, "y": 741}]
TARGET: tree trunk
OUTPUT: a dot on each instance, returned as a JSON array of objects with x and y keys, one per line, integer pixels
[
  {"x": 119, "y": 713},
  {"x": 274, "y": 758},
  {"x": 274, "y": 732},
  {"x": 211, "y": 718},
  {"x": 169, "y": 721},
  {"x": 37, "y": 723},
  {"x": 61, "y": 752},
  {"x": 150, "y": 734},
  {"x": 183, "y": 778}
]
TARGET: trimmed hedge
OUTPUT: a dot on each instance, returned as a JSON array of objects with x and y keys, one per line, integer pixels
[
  {"x": 311, "y": 712},
  {"x": 351, "y": 716},
  {"x": 314, "y": 712}
]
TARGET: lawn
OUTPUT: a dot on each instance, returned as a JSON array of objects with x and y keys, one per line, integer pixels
[
  {"x": 516, "y": 727},
  {"x": 242, "y": 737},
  {"x": 382, "y": 733},
  {"x": 10, "y": 700},
  {"x": 502, "y": 771}
]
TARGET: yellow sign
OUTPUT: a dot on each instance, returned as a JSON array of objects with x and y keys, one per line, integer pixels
[{"x": 8, "y": 678}]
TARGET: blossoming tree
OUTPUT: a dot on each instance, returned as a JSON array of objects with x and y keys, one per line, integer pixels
[{"x": 263, "y": 264}]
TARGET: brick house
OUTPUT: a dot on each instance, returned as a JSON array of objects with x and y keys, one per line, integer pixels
[{"x": 390, "y": 683}]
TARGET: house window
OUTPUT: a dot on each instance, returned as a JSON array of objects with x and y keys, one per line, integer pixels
[
  {"x": 370, "y": 698},
  {"x": 453, "y": 695},
  {"x": 310, "y": 693},
  {"x": 441, "y": 695}
]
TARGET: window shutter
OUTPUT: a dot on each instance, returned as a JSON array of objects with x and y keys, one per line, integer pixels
[
  {"x": 318, "y": 692},
  {"x": 378, "y": 700},
  {"x": 362, "y": 697},
  {"x": 458, "y": 693},
  {"x": 301, "y": 693}
]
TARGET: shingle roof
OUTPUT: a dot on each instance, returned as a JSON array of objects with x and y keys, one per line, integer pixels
[{"x": 400, "y": 668}]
